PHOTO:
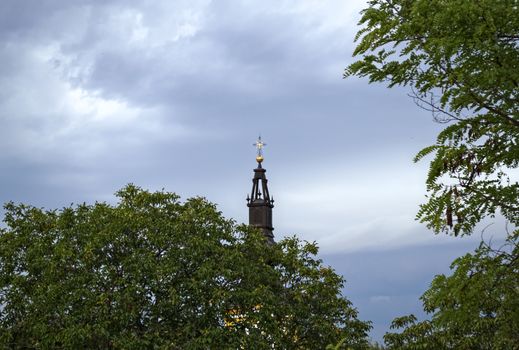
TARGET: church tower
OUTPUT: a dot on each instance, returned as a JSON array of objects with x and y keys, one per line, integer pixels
[{"x": 259, "y": 202}]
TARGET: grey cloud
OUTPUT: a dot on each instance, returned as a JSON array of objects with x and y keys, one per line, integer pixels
[
  {"x": 401, "y": 275},
  {"x": 96, "y": 94}
]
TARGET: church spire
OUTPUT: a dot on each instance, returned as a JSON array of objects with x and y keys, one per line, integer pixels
[{"x": 260, "y": 203}]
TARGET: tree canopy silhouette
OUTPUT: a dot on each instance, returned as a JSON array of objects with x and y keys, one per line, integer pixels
[{"x": 152, "y": 272}]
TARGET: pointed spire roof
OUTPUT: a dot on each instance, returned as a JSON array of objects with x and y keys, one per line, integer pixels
[{"x": 260, "y": 202}]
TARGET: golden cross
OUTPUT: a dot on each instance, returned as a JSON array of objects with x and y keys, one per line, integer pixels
[{"x": 259, "y": 146}]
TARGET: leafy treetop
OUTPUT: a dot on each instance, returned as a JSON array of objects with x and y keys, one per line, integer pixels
[
  {"x": 152, "y": 272},
  {"x": 460, "y": 58}
]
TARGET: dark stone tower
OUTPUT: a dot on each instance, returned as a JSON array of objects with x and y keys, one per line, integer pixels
[{"x": 260, "y": 203}]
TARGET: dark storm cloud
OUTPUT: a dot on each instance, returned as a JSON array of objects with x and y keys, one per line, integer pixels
[
  {"x": 384, "y": 284},
  {"x": 130, "y": 92},
  {"x": 121, "y": 91},
  {"x": 171, "y": 94}
]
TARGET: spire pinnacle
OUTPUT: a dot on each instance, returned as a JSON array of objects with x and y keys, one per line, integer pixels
[
  {"x": 259, "y": 202},
  {"x": 259, "y": 147}
]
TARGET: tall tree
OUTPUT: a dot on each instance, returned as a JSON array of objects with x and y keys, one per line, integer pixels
[
  {"x": 152, "y": 272},
  {"x": 460, "y": 59},
  {"x": 477, "y": 307}
]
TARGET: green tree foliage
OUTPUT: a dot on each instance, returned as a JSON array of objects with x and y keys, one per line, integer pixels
[
  {"x": 152, "y": 272},
  {"x": 477, "y": 307},
  {"x": 460, "y": 59}
]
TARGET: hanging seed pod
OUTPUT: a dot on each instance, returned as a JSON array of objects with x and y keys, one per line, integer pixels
[{"x": 448, "y": 213}]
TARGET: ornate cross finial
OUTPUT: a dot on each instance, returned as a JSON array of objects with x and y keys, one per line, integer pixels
[{"x": 259, "y": 147}]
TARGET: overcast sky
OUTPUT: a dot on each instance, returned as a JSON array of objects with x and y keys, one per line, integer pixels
[{"x": 172, "y": 94}]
